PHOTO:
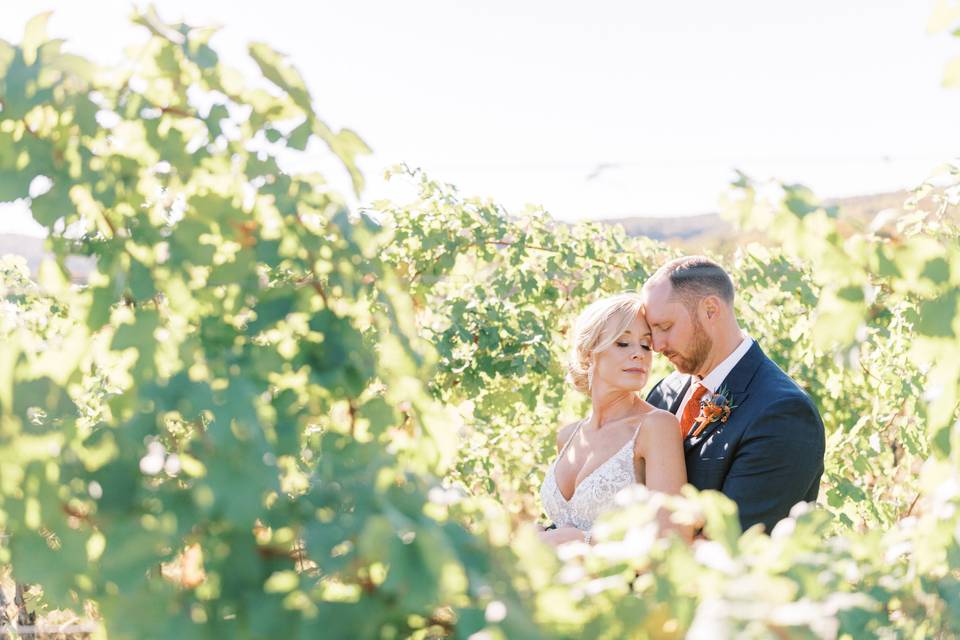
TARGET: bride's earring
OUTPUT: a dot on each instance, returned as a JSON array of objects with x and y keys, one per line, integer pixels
[{"x": 590, "y": 377}]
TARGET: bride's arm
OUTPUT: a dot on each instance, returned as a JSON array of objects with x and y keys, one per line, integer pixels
[
  {"x": 562, "y": 535},
  {"x": 661, "y": 447}
]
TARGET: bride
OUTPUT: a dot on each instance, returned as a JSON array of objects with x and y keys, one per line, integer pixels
[{"x": 624, "y": 439}]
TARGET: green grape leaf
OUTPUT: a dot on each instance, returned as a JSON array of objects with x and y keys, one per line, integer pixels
[
  {"x": 52, "y": 205},
  {"x": 939, "y": 317},
  {"x": 951, "y": 74},
  {"x": 280, "y": 72},
  {"x": 34, "y": 35},
  {"x": 13, "y": 185}
]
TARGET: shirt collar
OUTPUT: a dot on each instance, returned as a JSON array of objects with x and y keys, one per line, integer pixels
[{"x": 715, "y": 378}]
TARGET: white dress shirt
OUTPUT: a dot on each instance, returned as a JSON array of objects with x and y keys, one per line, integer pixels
[{"x": 715, "y": 378}]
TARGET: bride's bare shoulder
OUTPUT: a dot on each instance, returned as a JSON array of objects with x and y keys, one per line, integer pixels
[
  {"x": 660, "y": 419},
  {"x": 659, "y": 428}
]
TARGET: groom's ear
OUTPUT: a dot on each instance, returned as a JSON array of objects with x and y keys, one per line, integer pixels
[{"x": 710, "y": 306}]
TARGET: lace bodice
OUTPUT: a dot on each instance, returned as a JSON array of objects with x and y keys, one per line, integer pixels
[{"x": 594, "y": 494}]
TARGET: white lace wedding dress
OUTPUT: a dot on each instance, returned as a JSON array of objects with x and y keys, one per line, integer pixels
[{"x": 594, "y": 494}]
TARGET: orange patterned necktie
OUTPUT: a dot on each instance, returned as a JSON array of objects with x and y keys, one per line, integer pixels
[{"x": 692, "y": 409}]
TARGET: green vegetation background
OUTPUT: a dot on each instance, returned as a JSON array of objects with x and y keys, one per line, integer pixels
[{"x": 266, "y": 415}]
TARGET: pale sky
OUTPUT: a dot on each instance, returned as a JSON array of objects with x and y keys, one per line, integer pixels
[{"x": 524, "y": 100}]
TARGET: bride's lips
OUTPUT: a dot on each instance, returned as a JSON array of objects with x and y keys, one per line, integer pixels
[{"x": 634, "y": 371}]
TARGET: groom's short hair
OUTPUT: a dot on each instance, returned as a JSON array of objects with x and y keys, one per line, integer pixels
[{"x": 695, "y": 277}]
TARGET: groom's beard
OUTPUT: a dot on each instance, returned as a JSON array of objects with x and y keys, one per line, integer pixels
[{"x": 700, "y": 346}]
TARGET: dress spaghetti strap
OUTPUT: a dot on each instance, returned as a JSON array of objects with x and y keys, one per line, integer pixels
[
  {"x": 570, "y": 439},
  {"x": 643, "y": 419}
]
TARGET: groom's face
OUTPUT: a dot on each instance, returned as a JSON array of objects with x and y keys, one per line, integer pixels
[{"x": 676, "y": 331}]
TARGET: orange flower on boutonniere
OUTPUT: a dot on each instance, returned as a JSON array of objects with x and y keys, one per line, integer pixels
[{"x": 713, "y": 407}]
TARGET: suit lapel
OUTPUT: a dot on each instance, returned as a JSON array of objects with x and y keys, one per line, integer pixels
[
  {"x": 675, "y": 405},
  {"x": 736, "y": 384}
]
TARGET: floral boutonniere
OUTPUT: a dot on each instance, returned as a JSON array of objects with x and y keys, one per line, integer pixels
[{"x": 713, "y": 407}]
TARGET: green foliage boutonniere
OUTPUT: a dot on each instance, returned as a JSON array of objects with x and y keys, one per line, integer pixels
[{"x": 713, "y": 407}]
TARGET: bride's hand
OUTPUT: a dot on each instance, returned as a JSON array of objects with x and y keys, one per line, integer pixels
[{"x": 562, "y": 535}]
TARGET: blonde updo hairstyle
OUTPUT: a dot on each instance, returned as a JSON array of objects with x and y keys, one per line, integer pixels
[{"x": 595, "y": 330}]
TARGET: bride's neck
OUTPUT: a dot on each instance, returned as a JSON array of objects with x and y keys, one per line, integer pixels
[{"x": 612, "y": 407}]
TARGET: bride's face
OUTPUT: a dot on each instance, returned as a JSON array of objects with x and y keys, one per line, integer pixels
[{"x": 625, "y": 365}]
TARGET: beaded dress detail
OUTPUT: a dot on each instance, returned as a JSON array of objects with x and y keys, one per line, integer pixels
[{"x": 594, "y": 494}]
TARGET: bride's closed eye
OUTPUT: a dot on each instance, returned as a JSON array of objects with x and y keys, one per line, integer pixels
[{"x": 645, "y": 347}]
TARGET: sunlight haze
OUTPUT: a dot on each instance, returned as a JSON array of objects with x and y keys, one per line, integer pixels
[{"x": 599, "y": 110}]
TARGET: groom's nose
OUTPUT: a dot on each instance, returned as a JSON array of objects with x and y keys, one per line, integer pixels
[{"x": 658, "y": 343}]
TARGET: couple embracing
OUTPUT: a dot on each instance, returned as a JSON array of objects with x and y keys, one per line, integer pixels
[{"x": 728, "y": 419}]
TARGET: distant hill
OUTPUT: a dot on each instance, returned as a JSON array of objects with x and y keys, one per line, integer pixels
[
  {"x": 696, "y": 232},
  {"x": 27, "y": 246},
  {"x": 33, "y": 250},
  {"x": 678, "y": 228},
  {"x": 687, "y": 230}
]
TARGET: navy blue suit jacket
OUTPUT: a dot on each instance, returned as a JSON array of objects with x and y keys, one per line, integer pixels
[{"x": 769, "y": 454}]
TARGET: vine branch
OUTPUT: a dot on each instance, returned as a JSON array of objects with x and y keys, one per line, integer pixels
[{"x": 533, "y": 247}]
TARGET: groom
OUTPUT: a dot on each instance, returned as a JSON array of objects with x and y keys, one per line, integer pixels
[{"x": 749, "y": 430}]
